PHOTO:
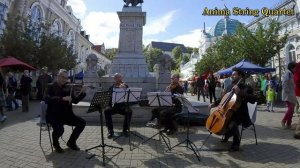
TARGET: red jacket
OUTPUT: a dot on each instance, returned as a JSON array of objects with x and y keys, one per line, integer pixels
[{"x": 297, "y": 79}]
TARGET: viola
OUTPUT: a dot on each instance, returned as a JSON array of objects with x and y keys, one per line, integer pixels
[
  {"x": 171, "y": 87},
  {"x": 218, "y": 120}
]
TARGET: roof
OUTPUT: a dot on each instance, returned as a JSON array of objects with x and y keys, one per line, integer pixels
[
  {"x": 167, "y": 46},
  {"x": 231, "y": 26}
]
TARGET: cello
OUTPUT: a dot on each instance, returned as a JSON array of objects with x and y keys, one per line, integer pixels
[{"x": 218, "y": 120}]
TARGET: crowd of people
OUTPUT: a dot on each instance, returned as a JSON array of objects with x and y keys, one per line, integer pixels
[{"x": 59, "y": 98}]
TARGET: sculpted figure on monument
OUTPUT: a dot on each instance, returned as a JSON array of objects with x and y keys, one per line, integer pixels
[
  {"x": 165, "y": 63},
  {"x": 91, "y": 62},
  {"x": 132, "y": 2}
]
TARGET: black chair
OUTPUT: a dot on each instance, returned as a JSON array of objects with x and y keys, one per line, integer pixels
[{"x": 252, "y": 110}]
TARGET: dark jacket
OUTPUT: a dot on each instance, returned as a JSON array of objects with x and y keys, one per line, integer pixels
[
  {"x": 42, "y": 84},
  {"x": 241, "y": 115},
  {"x": 177, "y": 90},
  {"x": 12, "y": 85},
  {"x": 25, "y": 84},
  {"x": 56, "y": 106}
]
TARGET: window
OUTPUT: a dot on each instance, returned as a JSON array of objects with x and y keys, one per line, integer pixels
[
  {"x": 292, "y": 54},
  {"x": 2, "y": 14},
  {"x": 56, "y": 28},
  {"x": 71, "y": 38},
  {"x": 35, "y": 21}
]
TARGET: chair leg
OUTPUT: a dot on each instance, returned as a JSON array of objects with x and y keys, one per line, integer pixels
[
  {"x": 40, "y": 134},
  {"x": 254, "y": 133},
  {"x": 48, "y": 128}
]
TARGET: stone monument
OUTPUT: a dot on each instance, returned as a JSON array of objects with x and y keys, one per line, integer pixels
[
  {"x": 91, "y": 77},
  {"x": 163, "y": 72},
  {"x": 130, "y": 61}
]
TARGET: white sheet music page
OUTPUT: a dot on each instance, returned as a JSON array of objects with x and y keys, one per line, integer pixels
[
  {"x": 134, "y": 94},
  {"x": 118, "y": 95},
  {"x": 160, "y": 98}
]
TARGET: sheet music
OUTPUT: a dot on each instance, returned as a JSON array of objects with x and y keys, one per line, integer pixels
[
  {"x": 187, "y": 103},
  {"x": 118, "y": 95},
  {"x": 160, "y": 98},
  {"x": 134, "y": 94}
]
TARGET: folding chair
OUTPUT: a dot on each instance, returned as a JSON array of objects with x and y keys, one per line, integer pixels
[
  {"x": 252, "y": 110},
  {"x": 43, "y": 122}
]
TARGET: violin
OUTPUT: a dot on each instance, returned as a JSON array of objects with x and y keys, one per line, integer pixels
[
  {"x": 218, "y": 120},
  {"x": 171, "y": 87}
]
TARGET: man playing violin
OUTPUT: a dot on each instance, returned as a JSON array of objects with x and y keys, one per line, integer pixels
[
  {"x": 166, "y": 115},
  {"x": 240, "y": 116},
  {"x": 118, "y": 108},
  {"x": 59, "y": 98}
]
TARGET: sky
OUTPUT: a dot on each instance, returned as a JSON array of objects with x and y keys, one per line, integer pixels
[{"x": 176, "y": 21}]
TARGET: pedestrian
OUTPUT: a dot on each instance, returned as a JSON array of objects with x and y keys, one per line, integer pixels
[
  {"x": 11, "y": 88},
  {"x": 59, "y": 99},
  {"x": 2, "y": 97},
  {"x": 211, "y": 83},
  {"x": 200, "y": 87},
  {"x": 288, "y": 95},
  {"x": 218, "y": 90},
  {"x": 297, "y": 92},
  {"x": 185, "y": 85},
  {"x": 42, "y": 83},
  {"x": 25, "y": 86},
  {"x": 270, "y": 96}
]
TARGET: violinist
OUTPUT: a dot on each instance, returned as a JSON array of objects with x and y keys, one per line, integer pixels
[
  {"x": 240, "y": 116},
  {"x": 118, "y": 108},
  {"x": 165, "y": 115},
  {"x": 59, "y": 98}
]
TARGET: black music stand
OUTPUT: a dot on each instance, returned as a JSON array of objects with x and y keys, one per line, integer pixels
[
  {"x": 160, "y": 101},
  {"x": 189, "y": 144},
  {"x": 98, "y": 103},
  {"x": 132, "y": 96}
]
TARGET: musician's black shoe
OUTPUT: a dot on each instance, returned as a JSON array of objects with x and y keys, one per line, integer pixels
[
  {"x": 58, "y": 149},
  {"x": 73, "y": 146},
  {"x": 112, "y": 135},
  {"x": 234, "y": 148},
  {"x": 125, "y": 133}
]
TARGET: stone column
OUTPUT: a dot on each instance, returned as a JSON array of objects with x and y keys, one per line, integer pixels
[{"x": 130, "y": 60}]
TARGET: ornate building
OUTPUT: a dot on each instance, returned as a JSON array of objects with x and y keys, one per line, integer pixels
[
  {"x": 224, "y": 26},
  {"x": 61, "y": 18},
  {"x": 288, "y": 24}
]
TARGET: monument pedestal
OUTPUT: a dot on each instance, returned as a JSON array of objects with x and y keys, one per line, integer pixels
[{"x": 130, "y": 61}]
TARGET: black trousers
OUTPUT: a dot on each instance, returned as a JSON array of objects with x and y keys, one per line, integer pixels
[
  {"x": 200, "y": 91},
  {"x": 156, "y": 113},
  {"x": 118, "y": 109},
  {"x": 167, "y": 117},
  {"x": 58, "y": 127},
  {"x": 233, "y": 130}
]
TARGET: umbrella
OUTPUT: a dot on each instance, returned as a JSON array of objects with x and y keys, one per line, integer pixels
[
  {"x": 247, "y": 67},
  {"x": 11, "y": 62}
]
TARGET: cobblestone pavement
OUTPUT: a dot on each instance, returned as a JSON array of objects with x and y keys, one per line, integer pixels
[{"x": 19, "y": 146}]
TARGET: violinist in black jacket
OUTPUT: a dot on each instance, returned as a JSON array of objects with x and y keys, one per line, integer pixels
[
  {"x": 241, "y": 115},
  {"x": 59, "y": 98}
]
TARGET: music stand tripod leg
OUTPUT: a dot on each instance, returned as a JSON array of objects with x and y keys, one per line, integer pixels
[
  {"x": 102, "y": 145},
  {"x": 189, "y": 144}
]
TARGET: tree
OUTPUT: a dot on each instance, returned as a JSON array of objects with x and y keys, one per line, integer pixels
[
  {"x": 186, "y": 58},
  {"x": 152, "y": 57},
  {"x": 178, "y": 55},
  {"x": 111, "y": 53},
  {"x": 34, "y": 44},
  {"x": 258, "y": 47}
]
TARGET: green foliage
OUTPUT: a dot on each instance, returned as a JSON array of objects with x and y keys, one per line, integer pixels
[
  {"x": 111, "y": 53},
  {"x": 152, "y": 57},
  {"x": 257, "y": 47},
  {"x": 32, "y": 43},
  {"x": 101, "y": 72},
  {"x": 186, "y": 58}
]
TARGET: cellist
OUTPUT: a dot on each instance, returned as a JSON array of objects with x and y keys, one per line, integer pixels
[{"x": 240, "y": 116}]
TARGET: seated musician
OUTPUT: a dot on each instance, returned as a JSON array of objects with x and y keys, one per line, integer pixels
[
  {"x": 240, "y": 116},
  {"x": 165, "y": 114},
  {"x": 59, "y": 98},
  {"x": 118, "y": 108}
]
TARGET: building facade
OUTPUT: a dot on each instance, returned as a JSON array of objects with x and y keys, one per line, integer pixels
[{"x": 61, "y": 19}]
